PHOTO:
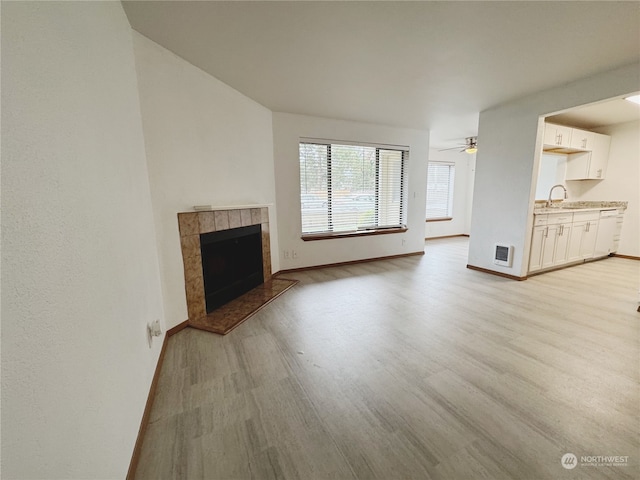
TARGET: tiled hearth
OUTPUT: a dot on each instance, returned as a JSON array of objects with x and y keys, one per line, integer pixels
[{"x": 225, "y": 318}]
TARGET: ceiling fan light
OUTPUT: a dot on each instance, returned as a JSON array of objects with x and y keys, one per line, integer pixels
[{"x": 470, "y": 150}]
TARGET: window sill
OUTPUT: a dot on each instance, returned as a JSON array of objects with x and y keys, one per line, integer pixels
[
  {"x": 359, "y": 233},
  {"x": 442, "y": 219}
]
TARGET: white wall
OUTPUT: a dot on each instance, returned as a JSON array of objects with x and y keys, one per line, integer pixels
[
  {"x": 462, "y": 194},
  {"x": 80, "y": 276},
  {"x": 206, "y": 144},
  {"x": 551, "y": 171},
  {"x": 507, "y": 163},
  {"x": 622, "y": 182},
  {"x": 287, "y": 131}
]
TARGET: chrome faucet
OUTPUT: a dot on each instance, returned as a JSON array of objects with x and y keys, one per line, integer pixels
[{"x": 551, "y": 191}]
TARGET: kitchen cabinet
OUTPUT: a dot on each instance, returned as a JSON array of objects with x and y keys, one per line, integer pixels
[
  {"x": 591, "y": 165},
  {"x": 557, "y": 136},
  {"x": 550, "y": 241},
  {"x": 581, "y": 139},
  {"x": 584, "y": 232},
  {"x": 537, "y": 244},
  {"x": 573, "y": 236}
]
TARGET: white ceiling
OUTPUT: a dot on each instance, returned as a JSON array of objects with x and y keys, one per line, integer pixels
[
  {"x": 599, "y": 114},
  {"x": 432, "y": 65}
]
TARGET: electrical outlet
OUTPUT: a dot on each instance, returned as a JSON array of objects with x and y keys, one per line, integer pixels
[
  {"x": 404, "y": 241},
  {"x": 294, "y": 253},
  {"x": 286, "y": 254},
  {"x": 153, "y": 330}
]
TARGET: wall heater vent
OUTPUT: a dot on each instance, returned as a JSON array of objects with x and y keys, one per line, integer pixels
[{"x": 503, "y": 255}]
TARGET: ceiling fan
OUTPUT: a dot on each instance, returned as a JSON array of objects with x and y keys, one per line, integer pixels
[{"x": 471, "y": 146}]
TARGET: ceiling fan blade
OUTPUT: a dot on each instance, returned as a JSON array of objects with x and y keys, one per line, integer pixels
[{"x": 452, "y": 148}]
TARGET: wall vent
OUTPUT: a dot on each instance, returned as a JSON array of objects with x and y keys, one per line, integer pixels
[{"x": 503, "y": 255}]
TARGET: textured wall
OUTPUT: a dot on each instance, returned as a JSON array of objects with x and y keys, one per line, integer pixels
[
  {"x": 287, "y": 130},
  {"x": 80, "y": 275},
  {"x": 206, "y": 144},
  {"x": 462, "y": 194}
]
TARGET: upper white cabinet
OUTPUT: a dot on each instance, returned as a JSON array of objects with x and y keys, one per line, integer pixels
[
  {"x": 588, "y": 152},
  {"x": 590, "y": 165},
  {"x": 557, "y": 136},
  {"x": 581, "y": 139}
]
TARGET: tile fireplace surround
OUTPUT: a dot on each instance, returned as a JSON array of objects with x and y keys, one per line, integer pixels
[{"x": 192, "y": 225}]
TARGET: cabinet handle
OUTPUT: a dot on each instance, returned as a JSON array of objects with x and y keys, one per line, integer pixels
[
  {"x": 546, "y": 232},
  {"x": 559, "y": 138},
  {"x": 587, "y": 227},
  {"x": 561, "y": 230}
]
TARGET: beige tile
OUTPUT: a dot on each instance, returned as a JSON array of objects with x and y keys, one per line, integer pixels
[
  {"x": 235, "y": 220},
  {"x": 188, "y": 223},
  {"x": 190, "y": 245},
  {"x": 245, "y": 216},
  {"x": 222, "y": 220},
  {"x": 264, "y": 212},
  {"x": 256, "y": 216},
  {"x": 193, "y": 265},
  {"x": 207, "y": 223},
  {"x": 195, "y": 298}
]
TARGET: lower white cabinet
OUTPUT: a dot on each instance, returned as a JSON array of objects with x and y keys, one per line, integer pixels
[
  {"x": 585, "y": 232},
  {"x": 550, "y": 241},
  {"x": 537, "y": 245}
]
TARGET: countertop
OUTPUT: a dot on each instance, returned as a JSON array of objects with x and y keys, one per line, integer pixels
[{"x": 571, "y": 207}]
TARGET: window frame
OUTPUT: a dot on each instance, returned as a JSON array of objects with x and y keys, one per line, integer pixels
[
  {"x": 450, "y": 192},
  {"x": 373, "y": 229}
]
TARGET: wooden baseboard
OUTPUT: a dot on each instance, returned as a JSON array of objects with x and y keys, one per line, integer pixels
[
  {"x": 177, "y": 328},
  {"x": 351, "y": 262},
  {"x": 499, "y": 274},
  {"x": 137, "y": 449},
  {"x": 629, "y": 257},
  {"x": 447, "y": 236}
]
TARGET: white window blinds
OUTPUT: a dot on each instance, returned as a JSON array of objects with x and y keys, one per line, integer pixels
[
  {"x": 350, "y": 188},
  {"x": 440, "y": 178}
]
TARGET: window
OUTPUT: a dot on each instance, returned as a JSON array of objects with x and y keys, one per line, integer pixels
[
  {"x": 347, "y": 189},
  {"x": 440, "y": 191}
]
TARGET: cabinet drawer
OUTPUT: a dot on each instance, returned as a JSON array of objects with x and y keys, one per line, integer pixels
[
  {"x": 558, "y": 218},
  {"x": 539, "y": 220},
  {"x": 586, "y": 216}
]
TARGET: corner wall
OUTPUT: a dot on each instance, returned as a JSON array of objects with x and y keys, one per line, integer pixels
[
  {"x": 462, "y": 194},
  {"x": 80, "y": 276},
  {"x": 287, "y": 131},
  {"x": 206, "y": 144},
  {"x": 507, "y": 163}
]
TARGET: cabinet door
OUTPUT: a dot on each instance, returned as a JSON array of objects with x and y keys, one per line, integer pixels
[
  {"x": 549, "y": 247},
  {"x": 581, "y": 139},
  {"x": 588, "y": 244},
  {"x": 562, "y": 245},
  {"x": 599, "y": 156},
  {"x": 578, "y": 166},
  {"x": 575, "y": 239},
  {"x": 557, "y": 135},
  {"x": 537, "y": 244}
]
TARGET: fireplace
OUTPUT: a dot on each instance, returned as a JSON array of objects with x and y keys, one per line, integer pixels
[
  {"x": 231, "y": 264},
  {"x": 226, "y": 252},
  {"x": 196, "y": 225}
]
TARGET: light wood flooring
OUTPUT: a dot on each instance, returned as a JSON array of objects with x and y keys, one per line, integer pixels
[{"x": 412, "y": 368}]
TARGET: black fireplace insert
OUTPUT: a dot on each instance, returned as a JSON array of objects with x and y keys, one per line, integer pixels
[{"x": 231, "y": 263}]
